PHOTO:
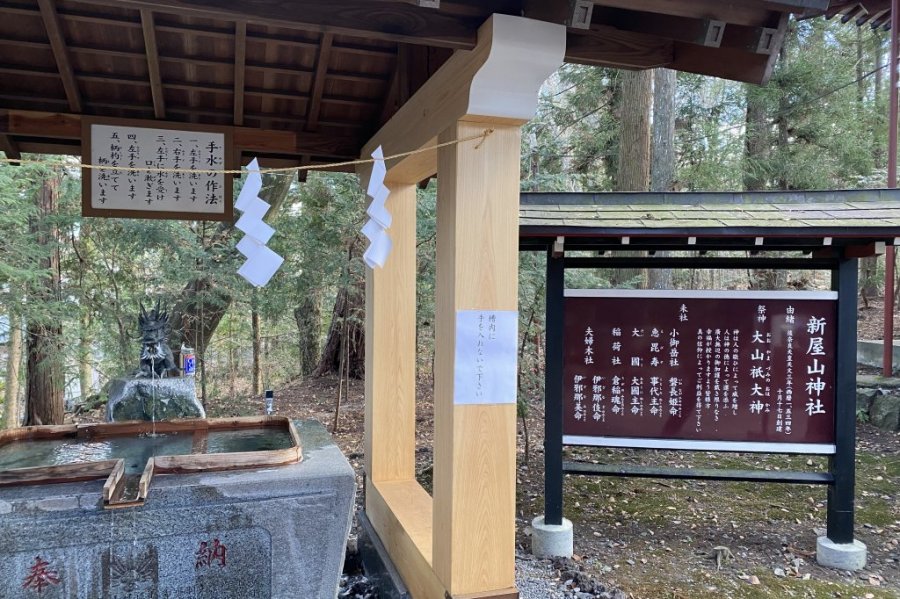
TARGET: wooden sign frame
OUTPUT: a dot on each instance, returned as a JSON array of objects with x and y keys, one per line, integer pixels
[{"x": 86, "y": 185}]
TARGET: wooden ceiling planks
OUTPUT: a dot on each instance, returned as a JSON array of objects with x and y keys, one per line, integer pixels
[{"x": 332, "y": 67}]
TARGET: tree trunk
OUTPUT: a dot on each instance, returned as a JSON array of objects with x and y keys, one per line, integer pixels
[
  {"x": 663, "y": 147},
  {"x": 44, "y": 395},
  {"x": 662, "y": 169},
  {"x": 868, "y": 267},
  {"x": 756, "y": 141},
  {"x": 257, "y": 350},
  {"x": 634, "y": 138},
  {"x": 349, "y": 306},
  {"x": 633, "y": 172},
  {"x": 85, "y": 357},
  {"x": 308, "y": 316},
  {"x": 13, "y": 364}
]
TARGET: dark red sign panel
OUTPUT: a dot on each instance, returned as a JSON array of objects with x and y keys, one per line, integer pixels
[{"x": 746, "y": 367}]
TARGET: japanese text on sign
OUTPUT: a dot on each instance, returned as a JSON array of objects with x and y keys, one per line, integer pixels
[
  {"x": 754, "y": 367},
  {"x": 485, "y": 357},
  {"x": 175, "y": 187}
]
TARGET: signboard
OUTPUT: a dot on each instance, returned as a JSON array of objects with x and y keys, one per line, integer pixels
[
  {"x": 718, "y": 370},
  {"x": 175, "y": 191}
]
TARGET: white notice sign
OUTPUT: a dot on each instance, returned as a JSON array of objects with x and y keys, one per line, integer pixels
[
  {"x": 157, "y": 194},
  {"x": 486, "y": 342}
]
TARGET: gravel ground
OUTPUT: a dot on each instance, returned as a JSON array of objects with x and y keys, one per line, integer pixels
[{"x": 558, "y": 579}]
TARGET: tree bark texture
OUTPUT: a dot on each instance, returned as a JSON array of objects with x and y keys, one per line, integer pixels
[
  {"x": 349, "y": 307},
  {"x": 13, "y": 367},
  {"x": 85, "y": 357},
  {"x": 257, "y": 350},
  {"x": 633, "y": 172},
  {"x": 634, "y": 138},
  {"x": 662, "y": 152},
  {"x": 756, "y": 141},
  {"x": 308, "y": 316},
  {"x": 662, "y": 171},
  {"x": 44, "y": 393}
]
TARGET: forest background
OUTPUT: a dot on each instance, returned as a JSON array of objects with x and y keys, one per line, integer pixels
[{"x": 70, "y": 287}]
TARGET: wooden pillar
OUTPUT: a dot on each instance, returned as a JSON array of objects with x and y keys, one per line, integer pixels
[
  {"x": 461, "y": 543},
  {"x": 391, "y": 348},
  {"x": 475, "y": 445}
]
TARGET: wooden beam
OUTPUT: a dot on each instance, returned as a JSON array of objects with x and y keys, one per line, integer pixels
[
  {"x": 394, "y": 22},
  {"x": 58, "y": 44},
  {"x": 607, "y": 46},
  {"x": 9, "y": 147},
  {"x": 472, "y": 529},
  {"x": 739, "y": 13},
  {"x": 240, "y": 72},
  {"x": 391, "y": 348},
  {"x": 731, "y": 63},
  {"x": 48, "y": 125},
  {"x": 865, "y": 251},
  {"x": 156, "y": 88},
  {"x": 705, "y": 32},
  {"x": 439, "y": 104},
  {"x": 474, "y": 444},
  {"x": 315, "y": 94},
  {"x": 401, "y": 513}
]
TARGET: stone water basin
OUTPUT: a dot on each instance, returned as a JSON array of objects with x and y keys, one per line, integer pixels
[
  {"x": 129, "y": 454},
  {"x": 220, "y": 509}
]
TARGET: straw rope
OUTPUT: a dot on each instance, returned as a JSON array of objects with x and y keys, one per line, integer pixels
[{"x": 286, "y": 170}]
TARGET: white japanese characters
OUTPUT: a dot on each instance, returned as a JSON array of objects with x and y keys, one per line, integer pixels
[{"x": 696, "y": 369}]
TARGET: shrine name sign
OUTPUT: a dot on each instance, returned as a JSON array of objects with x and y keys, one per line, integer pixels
[
  {"x": 156, "y": 172},
  {"x": 716, "y": 370}
]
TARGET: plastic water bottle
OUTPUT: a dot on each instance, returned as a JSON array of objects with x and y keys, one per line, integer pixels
[{"x": 270, "y": 402}]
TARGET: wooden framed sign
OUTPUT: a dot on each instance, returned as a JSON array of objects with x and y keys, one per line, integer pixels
[
  {"x": 713, "y": 370},
  {"x": 165, "y": 194}
]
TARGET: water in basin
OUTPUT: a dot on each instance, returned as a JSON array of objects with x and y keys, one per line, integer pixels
[{"x": 137, "y": 450}]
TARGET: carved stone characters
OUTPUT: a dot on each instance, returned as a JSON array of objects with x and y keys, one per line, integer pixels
[{"x": 157, "y": 359}]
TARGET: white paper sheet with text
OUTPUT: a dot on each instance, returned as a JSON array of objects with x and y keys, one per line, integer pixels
[{"x": 485, "y": 365}]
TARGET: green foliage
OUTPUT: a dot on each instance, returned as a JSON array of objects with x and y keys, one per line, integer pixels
[{"x": 821, "y": 124}]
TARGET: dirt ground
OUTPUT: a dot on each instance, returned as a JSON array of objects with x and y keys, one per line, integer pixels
[
  {"x": 655, "y": 538},
  {"x": 871, "y": 318}
]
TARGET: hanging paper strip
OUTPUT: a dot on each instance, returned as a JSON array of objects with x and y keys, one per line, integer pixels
[
  {"x": 262, "y": 263},
  {"x": 376, "y": 227}
]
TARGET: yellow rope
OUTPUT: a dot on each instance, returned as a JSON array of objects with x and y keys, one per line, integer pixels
[{"x": 279, "y": 171}]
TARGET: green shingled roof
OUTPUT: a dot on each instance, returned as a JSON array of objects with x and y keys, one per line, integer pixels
[{"x": 814, "y": 212}]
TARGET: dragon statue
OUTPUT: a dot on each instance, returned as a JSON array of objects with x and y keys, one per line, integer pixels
[{"x": 157, "y": 359}]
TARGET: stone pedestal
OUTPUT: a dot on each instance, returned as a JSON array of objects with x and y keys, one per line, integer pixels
[
  {"x": 153, "y": 399},
  {"x": 841, "y": 556},
  {"x": 552, "y": 540},
  {"x": 278, "y": 532}
]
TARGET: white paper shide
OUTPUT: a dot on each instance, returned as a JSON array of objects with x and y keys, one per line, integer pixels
[
  {"x": 379, "y": 221},
  {"x": 262, "y": 263}
]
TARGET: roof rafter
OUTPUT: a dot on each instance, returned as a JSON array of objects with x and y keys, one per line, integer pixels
[
  {"x": 240, "y": 71},
  {"x": 58, "y": 45},
  {"x": 156, "y": 89},
  {"x": 318, "y": 85}
]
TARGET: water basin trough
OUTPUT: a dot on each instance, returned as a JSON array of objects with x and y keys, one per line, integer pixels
[{"x": 220, "y": 508}]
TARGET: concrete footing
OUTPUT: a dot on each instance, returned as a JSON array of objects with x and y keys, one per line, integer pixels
[
  {"x": 551, "y": 540},
  {"x": 841, "y": 556}
]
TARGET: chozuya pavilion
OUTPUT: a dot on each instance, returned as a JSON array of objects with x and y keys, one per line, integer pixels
[{"x": 315, "y": 82}]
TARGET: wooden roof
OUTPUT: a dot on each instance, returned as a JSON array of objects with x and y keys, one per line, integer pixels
[
  {"x": 781, "y": 219},
  {"x": 329, "y": 72},
  {"x": 875, "y": 13}
]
